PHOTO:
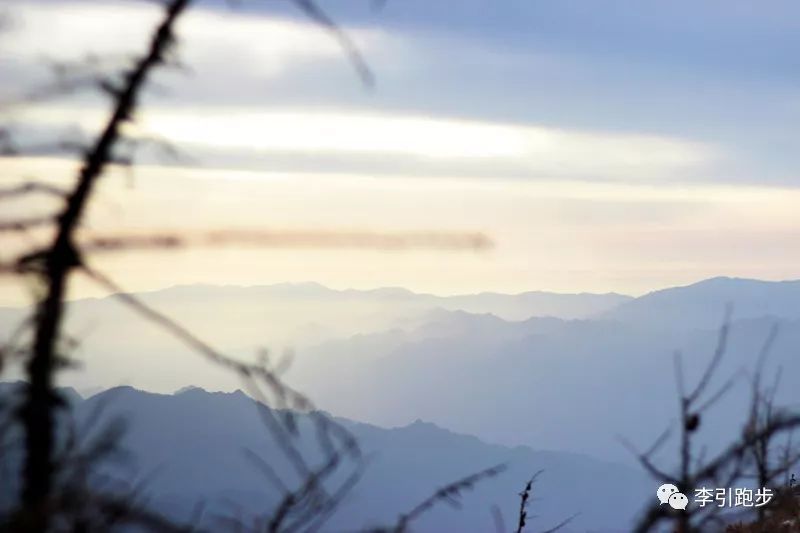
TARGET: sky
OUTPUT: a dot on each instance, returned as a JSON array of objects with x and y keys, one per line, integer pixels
[{"x": 615, "y": 145}]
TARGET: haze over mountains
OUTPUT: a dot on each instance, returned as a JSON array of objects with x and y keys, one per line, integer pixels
[{"x": 559, "y": 372}]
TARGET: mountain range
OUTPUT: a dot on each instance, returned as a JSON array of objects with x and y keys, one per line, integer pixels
[
  {"x": 580, "y": 381},
  {"x": 197, "y": 446}
]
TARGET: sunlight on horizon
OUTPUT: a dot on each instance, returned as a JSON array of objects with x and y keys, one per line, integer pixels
[
  {"x": 599, "y": 180},
  {"x": 559, "y": 236}
]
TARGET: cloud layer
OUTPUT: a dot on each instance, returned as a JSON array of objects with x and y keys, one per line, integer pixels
[
  {"x": 277, "y": 93},
  {"x": 613, "y": 146}
]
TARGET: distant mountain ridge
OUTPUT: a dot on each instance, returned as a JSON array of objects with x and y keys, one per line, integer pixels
[
  {"x": 384, "y": 359},
  {"x": 511, "y": 306},
  {"x": 612, "y": 374},
  {"x": 313, "y": 287},
  {"x": 702, "y": 305},
  {"x": 750, "y": 298}
]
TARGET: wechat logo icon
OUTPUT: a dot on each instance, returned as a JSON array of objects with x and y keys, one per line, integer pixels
[{"x": 669, "y": 494}]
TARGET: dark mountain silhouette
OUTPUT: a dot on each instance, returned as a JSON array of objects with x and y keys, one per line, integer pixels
[{"x": 189, "y": 447}]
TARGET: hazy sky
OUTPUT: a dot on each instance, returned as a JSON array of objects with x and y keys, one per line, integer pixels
[{"x": 620, "y": 145}]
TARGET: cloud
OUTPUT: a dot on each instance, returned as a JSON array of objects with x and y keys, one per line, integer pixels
[
  {"x": 386, "y": 143},
  {"x": 551, "y": 234},
  {"x": 222, "y": 48},
  {"x": 456, "y": 95},
  {"x": 535, "y": 150}
]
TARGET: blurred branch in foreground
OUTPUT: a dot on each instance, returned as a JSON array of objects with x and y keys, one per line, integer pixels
[
  {"x": 54, "y": 494},
  {"x": 448, "y": 494},
  {"x": 401, "y": 240},
  {"x": 734, "y": 463}
]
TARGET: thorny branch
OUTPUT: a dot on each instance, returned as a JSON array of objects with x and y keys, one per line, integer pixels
[
  {"x": 57, "y": 263},
  {"x": 305, "y": 507},
  {"x": 524, "y": 501}
]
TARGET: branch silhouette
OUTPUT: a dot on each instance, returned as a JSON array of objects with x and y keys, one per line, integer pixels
[
  {"x": 56, "y": 264},
  {"x": 306, "y": 506},
  {"x": 733, "y": 463}
]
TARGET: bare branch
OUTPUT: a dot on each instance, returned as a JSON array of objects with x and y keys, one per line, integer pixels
[
  {"x": 722, "y": 343},
  {"x": 523, "y": 502},
  {"x": 314, "y": 12},
  {"x": 289, "y": 239},
  {"x": 561, "y": 524},
  {"x": 31, "y": 187},
  {"x": 444, "y": 494},
  {"x": 58, "y": 261},
  {"x": 25, "y": 224},
  {"x": 646, "y": 462}
]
